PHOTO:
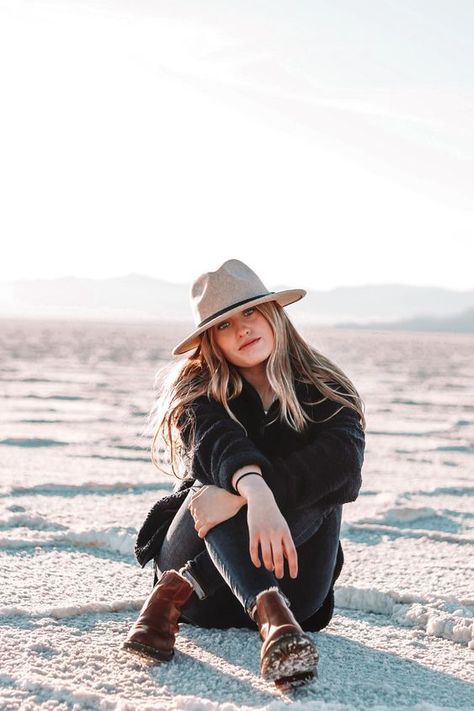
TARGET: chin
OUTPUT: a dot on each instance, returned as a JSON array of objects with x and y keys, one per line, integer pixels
[{"x": 252, "y": 362}]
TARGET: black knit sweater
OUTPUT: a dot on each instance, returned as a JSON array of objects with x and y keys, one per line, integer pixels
[{"x": 321, "y": 466}]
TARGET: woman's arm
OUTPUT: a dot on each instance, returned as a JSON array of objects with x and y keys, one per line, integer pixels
[
  {"x": 222, "y": 453},
  {"x": 268, "y": 528},
  {"x": 221, "y": 447},
  {"x": 326, "y": 470}
]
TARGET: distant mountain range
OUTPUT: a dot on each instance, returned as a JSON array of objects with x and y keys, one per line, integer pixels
[
  {"x": 462, "y": 323},
  {"x": 138, "y": 297}
]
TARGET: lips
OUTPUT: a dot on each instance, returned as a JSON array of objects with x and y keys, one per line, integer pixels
[{"x": 249, "y": 343}]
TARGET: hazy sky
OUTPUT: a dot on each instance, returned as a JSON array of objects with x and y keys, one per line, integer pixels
[{"x": 324, "y": 142}]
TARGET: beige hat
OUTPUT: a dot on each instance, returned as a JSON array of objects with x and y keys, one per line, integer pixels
[{"x": 225, "y": 292}]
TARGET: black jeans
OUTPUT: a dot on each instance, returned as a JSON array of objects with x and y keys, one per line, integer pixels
[{"x": 222, "y": 565}]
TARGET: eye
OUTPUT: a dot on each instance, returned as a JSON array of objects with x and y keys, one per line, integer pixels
[
  {"x": 222, "y": 326},
  {"x": 249, "y": 312}
]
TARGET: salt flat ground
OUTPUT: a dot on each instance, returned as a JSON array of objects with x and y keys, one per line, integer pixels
[{"x": 77, "y": 481}]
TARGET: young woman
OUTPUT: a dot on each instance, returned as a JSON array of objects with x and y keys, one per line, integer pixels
[{"x": 270, "y": 436}]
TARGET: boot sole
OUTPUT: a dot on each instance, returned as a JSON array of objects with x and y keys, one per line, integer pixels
[
  {"x": 144, "y": 651},
  {"x": 293, "y": 682},
  {"x": 292, "y": 660}
]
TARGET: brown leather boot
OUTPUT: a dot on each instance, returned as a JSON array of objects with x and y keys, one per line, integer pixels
[
  {"x": 288, "y": 656},
  {"x": 154, "y": 632}
]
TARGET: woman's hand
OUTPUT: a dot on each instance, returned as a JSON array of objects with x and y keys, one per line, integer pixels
[
  {"x": 212, "y": 505},
  {"x": 267, "y": 527},
  {"x": 269, "y": 530}
]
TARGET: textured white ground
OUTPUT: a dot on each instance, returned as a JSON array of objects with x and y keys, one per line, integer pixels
[{"x": 76, "y": 482}]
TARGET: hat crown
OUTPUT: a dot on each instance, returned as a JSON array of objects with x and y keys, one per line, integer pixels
[
  {"x": 216, "y": 292},
  {"x": 227, "y": 291}
]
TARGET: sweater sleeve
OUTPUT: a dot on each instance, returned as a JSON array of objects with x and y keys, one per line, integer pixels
[
  {"x": 327, "y": 469},
  {"x": 221, "y": 446}
]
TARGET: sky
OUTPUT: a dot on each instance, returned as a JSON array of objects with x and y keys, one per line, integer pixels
[{"x": 325, "y": 143}]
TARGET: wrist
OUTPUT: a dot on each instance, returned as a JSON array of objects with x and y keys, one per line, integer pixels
[
  {"x": 247, "y": 469},
  {"x": 242, "y": 476},
  {"x": 253, "y": 487}
]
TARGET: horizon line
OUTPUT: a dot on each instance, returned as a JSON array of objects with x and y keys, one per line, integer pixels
[{"x": 187, "y": 284}]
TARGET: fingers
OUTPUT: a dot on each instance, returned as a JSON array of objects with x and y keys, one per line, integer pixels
[
  {"x": 201, "y": 528},
  {"x": 273, "y": 553},
  {"x": 277, "y": 551},
  {"x": 271, "y": 534},
  {"x": 266, "y": 548},
  {"x": 193, "y": 508},
  {"x": 253, "y": 550},
  {"x": 195, "y": 496},
  {"x": 274, "y": 560},
  {"x": 291, "y": 555},
  {"x": 200, "y": 491}
]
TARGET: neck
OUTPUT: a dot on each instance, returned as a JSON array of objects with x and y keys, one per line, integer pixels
[{"x": 257, "y": 376}]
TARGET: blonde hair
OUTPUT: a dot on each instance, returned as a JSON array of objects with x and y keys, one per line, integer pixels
[{"x": 207, "y": 372}]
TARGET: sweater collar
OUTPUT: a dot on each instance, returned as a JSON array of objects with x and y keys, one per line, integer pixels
[{"x": 252, "y": 396}]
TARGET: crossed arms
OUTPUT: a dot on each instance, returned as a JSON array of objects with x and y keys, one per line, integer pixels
[{"x": 326, "y": 470}]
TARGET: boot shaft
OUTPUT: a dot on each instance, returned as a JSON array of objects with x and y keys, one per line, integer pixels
[
  {"x": 154, "y": 632},
  {"x": 163, "y": 606},
  {"x": 271, "y": 612}
]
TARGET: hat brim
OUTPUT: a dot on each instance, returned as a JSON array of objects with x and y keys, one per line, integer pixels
[{"x": 284, "y": 298}]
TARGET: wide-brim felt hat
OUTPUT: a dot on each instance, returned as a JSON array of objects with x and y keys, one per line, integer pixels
[{"x": 225, "y": 292}]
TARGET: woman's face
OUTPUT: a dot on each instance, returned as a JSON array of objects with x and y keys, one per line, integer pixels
[{"x": 246, "y": 338}]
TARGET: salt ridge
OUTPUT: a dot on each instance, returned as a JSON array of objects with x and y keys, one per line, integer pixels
[
  {"x": 59, "y": 612},
  {"x": 86, "y": 488},
  {"x": 113, "y": 538},
  {"x": 34, "y": 521},
  {"x": 407, "y": 532},
  {"x": 432, "y": 616}
]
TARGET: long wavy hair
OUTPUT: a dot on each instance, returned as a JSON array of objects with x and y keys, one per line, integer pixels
[{"x": 207, "y": 372}]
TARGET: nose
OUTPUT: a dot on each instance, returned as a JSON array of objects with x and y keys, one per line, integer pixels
[{"x": 243, "y": 329}]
